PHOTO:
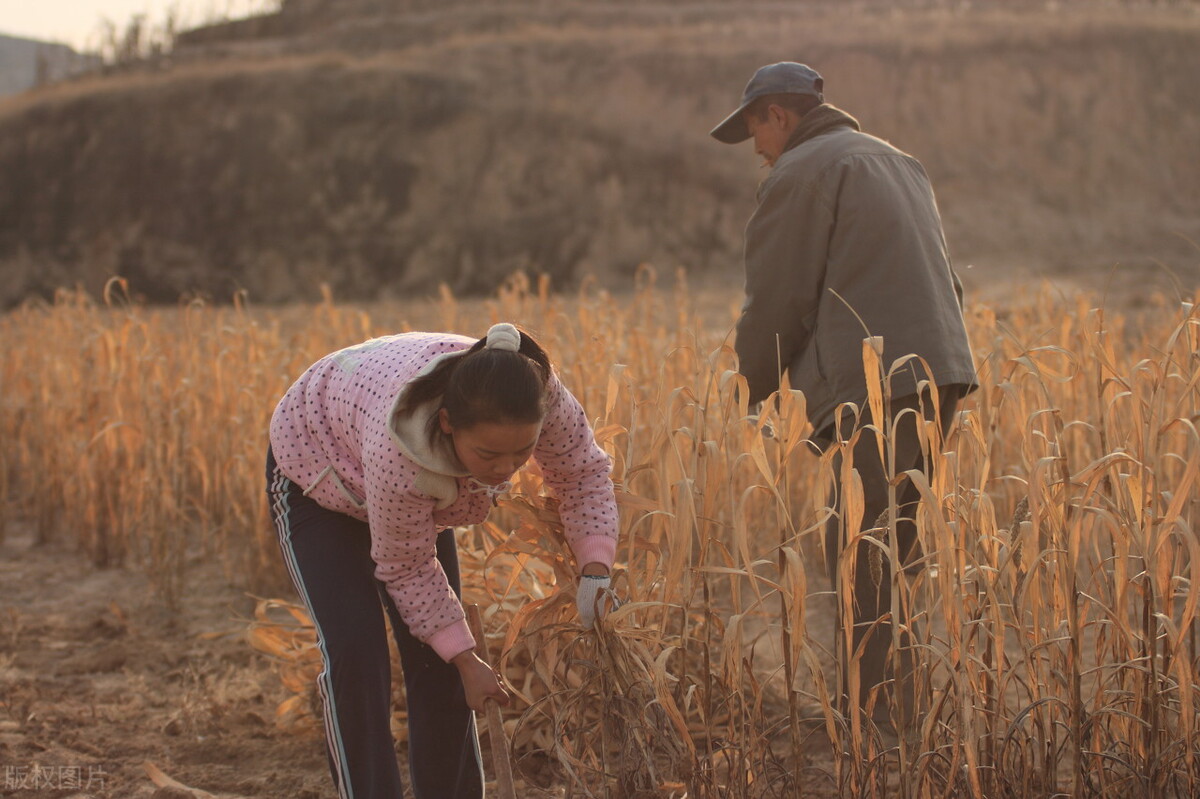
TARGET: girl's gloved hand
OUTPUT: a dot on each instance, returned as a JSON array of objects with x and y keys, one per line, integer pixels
[{"x": 592, "y": 597}]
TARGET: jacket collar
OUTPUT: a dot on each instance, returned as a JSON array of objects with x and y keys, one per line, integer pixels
[{"x": 821, "y": 119}]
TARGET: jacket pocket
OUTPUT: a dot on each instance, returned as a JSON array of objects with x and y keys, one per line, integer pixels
[{"x": 330, "y": 474}]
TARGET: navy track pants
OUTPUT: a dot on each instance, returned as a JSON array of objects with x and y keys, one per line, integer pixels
[{"x": 328, "y": 555}]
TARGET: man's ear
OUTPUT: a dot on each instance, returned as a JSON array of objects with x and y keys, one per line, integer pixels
[{"x": 779, "y": 115}]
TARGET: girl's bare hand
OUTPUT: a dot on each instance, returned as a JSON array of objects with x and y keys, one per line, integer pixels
[{"x": 480, "y": 681}]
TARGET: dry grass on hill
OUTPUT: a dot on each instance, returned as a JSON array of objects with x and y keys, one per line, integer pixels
[{"x": 392, "y": 153}]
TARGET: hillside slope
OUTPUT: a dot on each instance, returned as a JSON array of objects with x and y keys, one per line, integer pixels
[{"x": 386, "y": 154}]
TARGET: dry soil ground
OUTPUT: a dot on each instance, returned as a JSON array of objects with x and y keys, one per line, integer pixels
[{"x": 96, "y": 679}]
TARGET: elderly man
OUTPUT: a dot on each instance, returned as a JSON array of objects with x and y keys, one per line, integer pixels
[{"x": 847, "y": 243}]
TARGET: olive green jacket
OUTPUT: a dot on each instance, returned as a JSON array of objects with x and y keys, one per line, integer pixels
[{"x": 847, "y": 242}]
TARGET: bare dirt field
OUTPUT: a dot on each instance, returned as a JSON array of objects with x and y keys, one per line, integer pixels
[{"x": 98, "y": 679}]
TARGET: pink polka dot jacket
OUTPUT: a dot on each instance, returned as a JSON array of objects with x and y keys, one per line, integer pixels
[{"x": 334, "y": 434}]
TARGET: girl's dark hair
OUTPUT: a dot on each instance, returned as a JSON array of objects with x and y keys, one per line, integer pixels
[{"x": 485, "y": 385}]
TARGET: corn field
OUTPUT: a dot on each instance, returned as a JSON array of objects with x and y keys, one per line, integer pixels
[{"x": 1054, "y": 616}]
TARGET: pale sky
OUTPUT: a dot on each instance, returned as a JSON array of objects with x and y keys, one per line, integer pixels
[{"x": 78, "y": 22}]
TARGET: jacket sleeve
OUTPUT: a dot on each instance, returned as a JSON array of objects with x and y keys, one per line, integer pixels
[
  {"x": 404, "y": 548},
  {"x": 578, "y": 471},
  {"x": 787, "y": 243}
]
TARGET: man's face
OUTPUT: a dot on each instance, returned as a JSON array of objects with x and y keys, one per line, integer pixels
[{"x": 770, "y": 132}]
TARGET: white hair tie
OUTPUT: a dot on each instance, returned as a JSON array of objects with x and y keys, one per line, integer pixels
[{"x": 503, "y": 337}]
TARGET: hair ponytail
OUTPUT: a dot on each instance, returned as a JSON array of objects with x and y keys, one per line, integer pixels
[{"x": 487, "y": 383}]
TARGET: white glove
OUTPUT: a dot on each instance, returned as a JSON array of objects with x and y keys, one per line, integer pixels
[
  {"x": 591, "y": 593},
  {"x": 768, "y": 430}
]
